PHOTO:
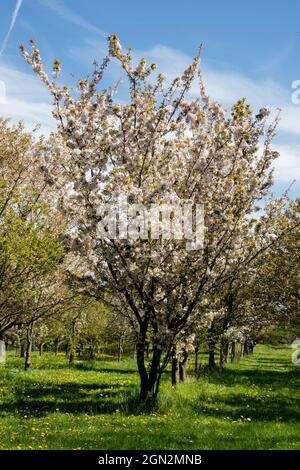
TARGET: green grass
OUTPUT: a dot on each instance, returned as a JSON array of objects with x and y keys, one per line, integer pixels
[{"x": 250, "y": 405}]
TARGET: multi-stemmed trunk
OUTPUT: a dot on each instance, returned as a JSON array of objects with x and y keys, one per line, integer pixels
[
  {"x": 178, "y": 367},
  {"x": 149, "y": 379},
  {"x": 248, "y": 348}
]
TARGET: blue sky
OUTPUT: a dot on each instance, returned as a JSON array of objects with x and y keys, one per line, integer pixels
[{"x": 251, "y": 49}]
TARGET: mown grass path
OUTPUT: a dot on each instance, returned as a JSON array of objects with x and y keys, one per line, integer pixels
[{"x": 251, "y": 405}]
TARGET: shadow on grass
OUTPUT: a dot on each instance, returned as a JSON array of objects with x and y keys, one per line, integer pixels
[
  {"x": 260, "y": 377},
  {"x": 239, "y": 405},
  {"x": 97, "y": 367},
  {"x": 35, "y": 399},
  {"x": 71, "y": 398},
  {"x": 281, "y": 403},
  {"x": 262, "y": 394}
]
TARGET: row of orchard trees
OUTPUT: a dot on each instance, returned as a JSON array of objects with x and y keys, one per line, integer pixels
[
  {"x": 36, "y": 302},
  {"x": 161, "y": 146},
  {"x": 29, "y": 251}
]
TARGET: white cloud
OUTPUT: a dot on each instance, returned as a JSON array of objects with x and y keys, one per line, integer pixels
[
  {"x": 26, "y": 99},
  {"x": 227, "y": 87},
  {"x": 287, "y": 166},
  {"x": 290, "y": 119},
  {"x": 223, "y": 86}
]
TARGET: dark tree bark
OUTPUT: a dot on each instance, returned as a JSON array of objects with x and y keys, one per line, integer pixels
[
  {"x": 211, "y": 355},
  {"x": 140, "y": 358},
  {"x": 22, "y": 348},
  {"x": 149, "y": 381},
  {"x": 226, "y": 350},
  {"x": 182, "y": 366},
  {"x": 28, "y": 355},
  {"x": 92, "y": 354},
  {"x": 154, "y": 369},
  {"x": 246, "y": 349},
  {"x": 233, "y": 351},
  {"x": 71, "y": 357},
  {"x": 175, "y": 370}
]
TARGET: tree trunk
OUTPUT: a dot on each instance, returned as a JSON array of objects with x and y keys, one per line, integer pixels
[
  {"x": 149, "y": 382},
  {"x": 197, "y": 364},
  {"x": 211, "y": 355},
  {"x": 154, "y": 369},
  {"x": 92, "y": 354},
  {"x": 41, "y": 348},
  {"x": 226, "y": 350},
  {"x": 182, "y": 367},
  {"x": 233, "y": 351},
  {"x": 57, "y": 344},
  {"x": 28, "y": 355},
  {"x": 223, "y": 352},
  {"x": 22, "y": 348},
  {"x": 28, "y": 347},
  {"x": 140, "y": 358},
  {"x": 71, "y": 358},
  {"x": 72, "y": 343},
  {"x": 175, "y": 370}
]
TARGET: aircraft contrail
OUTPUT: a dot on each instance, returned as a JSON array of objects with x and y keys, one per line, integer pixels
[{"x": 12, "y": 24}]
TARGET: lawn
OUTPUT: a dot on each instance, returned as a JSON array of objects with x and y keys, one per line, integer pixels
[{"x": 250, "y": 405}]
